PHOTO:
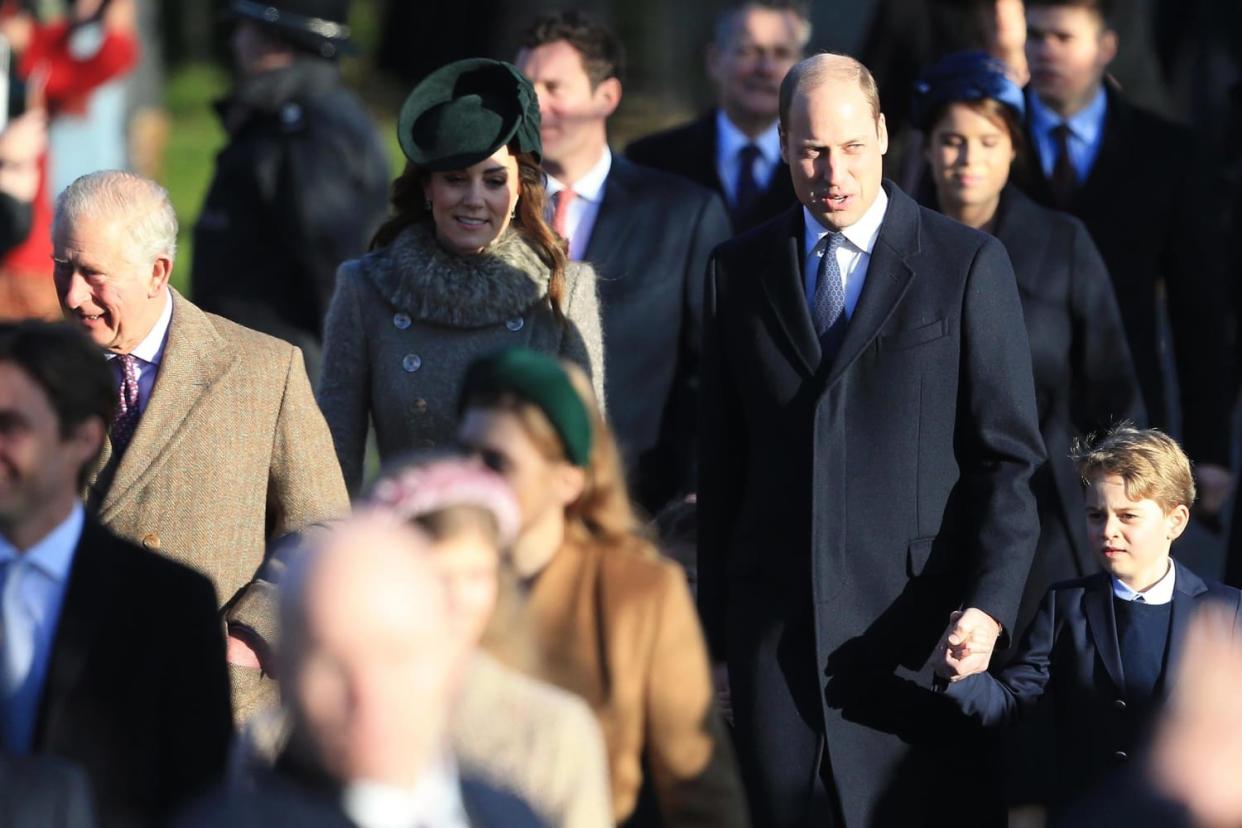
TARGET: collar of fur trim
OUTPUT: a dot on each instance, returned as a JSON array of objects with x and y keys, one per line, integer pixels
[{"x": 431, "y": 284}]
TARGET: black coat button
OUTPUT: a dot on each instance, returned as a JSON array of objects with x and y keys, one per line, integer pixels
[
  {"x": 1120, "y": 704},
  {"x": 1121, "y": 755}
]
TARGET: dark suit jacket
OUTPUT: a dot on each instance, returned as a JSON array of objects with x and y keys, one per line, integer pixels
[
  {"x": 1071, "y": 651},
  {"x": 1143, "y": 205},
  {"x": 1084, "y": 377},
  {"x": 137, "y": 690},
  {"x": 43, "y": 793},
  {"x": 846, "y": 507},
  {"x": 649, "y": 249},
  {"x": 690, "y": 151}
]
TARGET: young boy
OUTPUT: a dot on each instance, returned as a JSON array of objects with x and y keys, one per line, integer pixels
[{"x": 1103, "y": 645}]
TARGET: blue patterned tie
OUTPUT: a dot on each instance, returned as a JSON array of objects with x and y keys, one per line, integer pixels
[{"x": 828, "y": 305}]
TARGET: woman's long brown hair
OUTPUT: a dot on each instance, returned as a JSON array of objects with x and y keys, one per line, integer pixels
[{"x": 409, "y": 207}]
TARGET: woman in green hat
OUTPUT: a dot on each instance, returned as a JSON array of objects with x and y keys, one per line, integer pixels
[{"x": 466, "y": 266}]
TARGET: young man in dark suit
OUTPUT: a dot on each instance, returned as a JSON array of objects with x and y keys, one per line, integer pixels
[
  {"x": 646, "y": 233},
  {"x": 1132, "y": 178},
  {"x": 1131, "y": 617},
  {"x": 113, "y": 658},
  {"x": 869, "y": 433},
  {"x": 735, "y": 149}
]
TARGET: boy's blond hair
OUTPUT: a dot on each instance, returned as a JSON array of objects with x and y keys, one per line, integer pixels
[{"x": 1151, "y": 463}]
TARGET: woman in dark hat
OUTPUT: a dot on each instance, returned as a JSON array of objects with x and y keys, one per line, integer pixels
[
  {"x": 613, "y": 621},
  {"x": 465, "y": 266},
  {"x": 971, "y": 114}
]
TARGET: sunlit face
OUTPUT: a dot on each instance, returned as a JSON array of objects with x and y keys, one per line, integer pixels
[
  {"x": 115, "y": 299},
  {"x": 472, "y": 207},
  {"x": 970, "y": 156},
  {"x": 1068, "y": 49},
  {"x": 1131, "y": 537},
  {"x": 571, "y": 112},
  {"x": 468, "y": 563},
  {"x": 835, "y": 150},
  {"x": 748, "y": 72}
]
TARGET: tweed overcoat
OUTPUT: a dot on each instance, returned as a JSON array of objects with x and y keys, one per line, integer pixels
[
  {"x": 407, "y": 320},
  {"x": 618, "y": 627},
  {"x": 231, "y": 452}
]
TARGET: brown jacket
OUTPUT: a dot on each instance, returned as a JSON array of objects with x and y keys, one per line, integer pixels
[
  {"x": 231, "y": 452},
  {"x": 619, "y": 629}
]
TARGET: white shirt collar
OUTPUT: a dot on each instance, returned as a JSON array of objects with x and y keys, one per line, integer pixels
[
  {"x": 1160, "y": 592},
  {"x": 730, "y": 140},
  {"x": 151, "y": 349},
  {"x": 435, "y": 800},
  {"x": 862, "y": 234},
  {"x": 591, "y": 185},
  {"x": 53, "y": 555}
]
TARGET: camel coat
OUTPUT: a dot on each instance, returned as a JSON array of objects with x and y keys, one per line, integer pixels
[
  {"x": 619, "y": 628},
  {"x": 407, "y": 320}
]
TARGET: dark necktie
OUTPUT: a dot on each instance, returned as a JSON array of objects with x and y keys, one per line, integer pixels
[
  {"x": 1064, "y": 179},
  {"x": 748, "y": 191},
  {"x": 127, "y": 404},
  {"x": 828, "y": 304}
]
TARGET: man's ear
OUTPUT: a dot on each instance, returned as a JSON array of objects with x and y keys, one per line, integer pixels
[
  {"x": 780, "y": 130},
  {"x": 1109, "y": 43},
  {"x": 1178, "y": 520},
  {"x": 712, "y": 62},
  {"x": 161, "y": 269},
  {"x": 881, "y": 131},
  {"x": 608, "y": 96}
]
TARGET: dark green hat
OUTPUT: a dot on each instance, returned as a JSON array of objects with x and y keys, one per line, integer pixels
[
  {"x": 538, "y": 379},
  {"x": 462, "y": 113}
]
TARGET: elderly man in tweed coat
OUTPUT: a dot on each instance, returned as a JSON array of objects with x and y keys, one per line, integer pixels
[{"x": 218, "y": 445}]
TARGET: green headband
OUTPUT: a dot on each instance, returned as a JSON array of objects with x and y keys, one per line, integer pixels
[{"x": 541, "y": 380}]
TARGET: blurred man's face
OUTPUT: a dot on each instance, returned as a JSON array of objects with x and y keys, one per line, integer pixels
[
  {"x": 1068, "y": 49},
  {"x": 835, "y": 148},
  {"x": 749, "y": 69},
  {"x": 572, "y": 112}
]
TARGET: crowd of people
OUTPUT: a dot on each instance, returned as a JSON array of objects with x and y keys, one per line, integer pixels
[{"x": 722, "y": 482}]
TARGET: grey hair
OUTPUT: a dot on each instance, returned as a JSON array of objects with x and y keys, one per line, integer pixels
[
  {"x": 142, "y": 205},
  {"x": 726, "y": 21},
  {"x": 825, "y": 66}
]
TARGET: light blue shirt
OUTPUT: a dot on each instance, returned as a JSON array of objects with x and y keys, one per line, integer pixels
[
  {"x": 853, "y": 257},
  {"x": 34, "y": 590},
  {"x": 1086, "y": 133},
  {"x": 1161, "y": 592},
  {"x": 729, "y": 144}
]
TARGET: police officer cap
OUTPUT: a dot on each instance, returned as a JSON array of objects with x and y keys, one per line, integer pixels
[
  {"x": 316, "y": 25},
  {"x": 462, "y": 113},
  {"x": 960, "y": 77}
]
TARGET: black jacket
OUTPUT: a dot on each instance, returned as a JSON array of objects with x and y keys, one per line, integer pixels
[
  {"x": 299, "y": 188},
  {"x": 1144, "y": 205},
  {"x": 1071, "y": 651},
  {"x": 690, "y": 151},
  {"x": 137, "y": 690},
  {"x": 649, "y": 249},
  {"x": 38, "y": 792},
  {"x": 846, "y": 508}
]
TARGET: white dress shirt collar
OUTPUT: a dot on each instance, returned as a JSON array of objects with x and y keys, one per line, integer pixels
[
  {"x": 730, "y": 140},
  {"x": 435, "y": 800},
  {"x": 862, "y": 234},
  {"x": 591, "y": 185},
  {"x": 53, "y": 555},
  {"x": 1160, "y": 592},
  {"x": 151, "y": 349}
]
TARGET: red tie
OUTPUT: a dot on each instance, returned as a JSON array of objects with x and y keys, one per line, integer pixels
[{"x": 560, "y": 218}]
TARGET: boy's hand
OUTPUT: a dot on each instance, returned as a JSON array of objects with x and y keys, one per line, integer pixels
[{"x": 967, "y": 644}]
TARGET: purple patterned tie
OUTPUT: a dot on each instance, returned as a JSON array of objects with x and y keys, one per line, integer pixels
[{"x": 127, "y": 411}]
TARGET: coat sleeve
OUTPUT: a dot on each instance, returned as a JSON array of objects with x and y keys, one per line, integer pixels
[
  {"x": 583, "y": 342},
  {"x": 691, "y": 761},
  {"x": 998, "y": 435},
  {"x": 721, "y": 449},
  {"x": 304, "y": 486},
  {"x": 345, "y": 379},
  {"x": 991, "y": 700},
  {"x": 1106, "y": 384}
]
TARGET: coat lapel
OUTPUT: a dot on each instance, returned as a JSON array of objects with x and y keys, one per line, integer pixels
[
  {"x": 195, "y": 357},
  {"x": 613, "y": 222},
  {"x": 783, "y": 285},
  {"x": 1102, "y": 623},
  {"x": 888, "y": 278},
  {"x": 1187, "y": 587}
]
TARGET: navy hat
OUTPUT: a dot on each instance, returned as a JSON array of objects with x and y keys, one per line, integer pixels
[
  {"x": 462, "y": 113},
  {"x": 961, "y": 77},
  {"x": 318, "y": 26}
]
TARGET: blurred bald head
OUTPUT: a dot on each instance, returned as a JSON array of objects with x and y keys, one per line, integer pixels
[{"x": 369, "y": 673}]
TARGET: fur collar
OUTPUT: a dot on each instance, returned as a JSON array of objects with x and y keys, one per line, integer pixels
[{"x": 431, "y": 284}]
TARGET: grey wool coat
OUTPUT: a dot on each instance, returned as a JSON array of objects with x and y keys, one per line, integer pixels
[{"x": 406, "y": 321}]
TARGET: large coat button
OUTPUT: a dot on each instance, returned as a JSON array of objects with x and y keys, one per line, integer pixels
[
  {"x": 412, "y": 362},
  {"x": 1121, "y": 755},
  {"x": 516, "y": 325},
  {"x": 151, "y": 540},
  {"x": 1119, "y": 704},
  {"x": 419, "y": 406},
  {"x": 401, "y": 321}
]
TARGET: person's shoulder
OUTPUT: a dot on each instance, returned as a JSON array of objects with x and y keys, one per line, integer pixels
[
  {"x": 1070, "y": 592},
  {"x": 759, "y": 239},
  {"x": 545, "y": 703},
  {"x": 656, "y": 146},
  {"x": 637, "y": 568},
  {"x": 1216, "y": 591},
  {"x": 255, "y": 347},
  {"x": 664, "y": 188},
  {"x": 491, "y": 807},
  {"x": 1147, "y": 128}
]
